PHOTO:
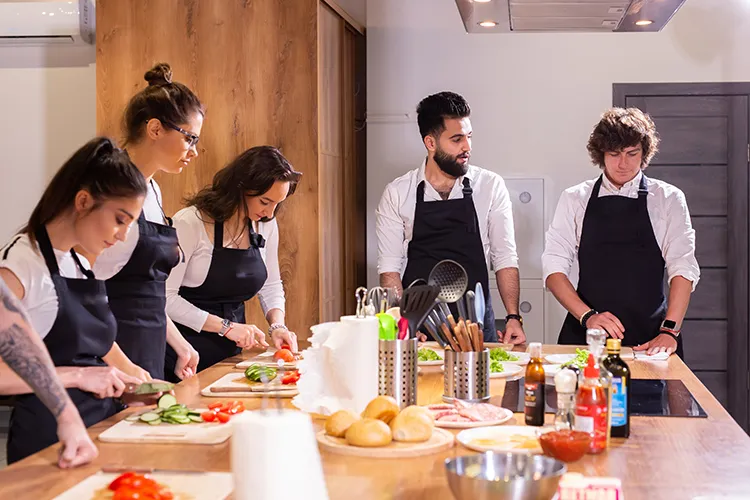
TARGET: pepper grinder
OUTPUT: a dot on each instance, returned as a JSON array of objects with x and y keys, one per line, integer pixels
[{"x": 565, "y": 385}]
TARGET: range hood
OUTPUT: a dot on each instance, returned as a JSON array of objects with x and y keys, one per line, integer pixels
[{"x": 524, "y": 16}]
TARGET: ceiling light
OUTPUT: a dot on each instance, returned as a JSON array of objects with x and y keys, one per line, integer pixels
[
  {"x": 643, "y": 22},
  {"x": 488, "y": 24},
  {"x": 482, "y": 1}
]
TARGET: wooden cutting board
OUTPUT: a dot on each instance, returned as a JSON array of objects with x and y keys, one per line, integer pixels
[
  {"x": 184, "y": 485},
  {"x": 265, "y": 359},
  {"x": 440, "y": 440},
  {"x": 193, "y": 433},
  {"x": 235, "y": 385}
]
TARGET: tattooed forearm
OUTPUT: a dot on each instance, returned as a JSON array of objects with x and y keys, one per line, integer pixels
[
  {"x": 27, "y": 356},
  {"x": 32, "y": 364}
]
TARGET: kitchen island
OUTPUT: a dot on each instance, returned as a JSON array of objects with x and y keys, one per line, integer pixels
[{"x": 665, "y": 457}]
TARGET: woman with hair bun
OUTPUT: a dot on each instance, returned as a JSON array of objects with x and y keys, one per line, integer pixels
[
  {"x": 162, "y": 125},
  {"x": 89, "y": 204}
]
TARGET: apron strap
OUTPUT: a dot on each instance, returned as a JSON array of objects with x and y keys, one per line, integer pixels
[
  {"x": 469, "y": 205},
  {"x": 218, "y": 234},
  {"x": 595, "y": 192},
  {"x": 420, "y": 192},
  {"x": 256, "y": 239},
  {"x": 46, "y": 248},
  {"x": 86, "y": 272},
  {"x": 7, "y": 249}
]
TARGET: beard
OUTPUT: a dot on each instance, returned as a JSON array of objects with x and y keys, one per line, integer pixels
[{"x": 450, "y": 164}]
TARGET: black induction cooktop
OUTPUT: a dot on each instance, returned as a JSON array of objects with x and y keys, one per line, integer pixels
[{"x": 650, "y": 398}]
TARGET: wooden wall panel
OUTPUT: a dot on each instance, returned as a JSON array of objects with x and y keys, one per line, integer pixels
[{"x": 254, "y": 65}]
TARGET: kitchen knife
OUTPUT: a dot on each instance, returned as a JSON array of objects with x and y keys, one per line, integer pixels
[
  {"x": 479, "y": 305},
  {"x": 470, "y": 306},
  {"x": 148, "y": 388}
]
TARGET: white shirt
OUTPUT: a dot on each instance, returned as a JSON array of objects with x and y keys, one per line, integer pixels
[
  {"x": 395, "y": 217},
  {"x": 114, "y": 258},
  {"x": 198, "y": 249},
  {"x": 667, "y": 209},
  {"x": 40, "y": 297}
]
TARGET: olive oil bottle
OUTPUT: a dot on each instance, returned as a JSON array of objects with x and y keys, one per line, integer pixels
[{"x": 619, "y": 391}]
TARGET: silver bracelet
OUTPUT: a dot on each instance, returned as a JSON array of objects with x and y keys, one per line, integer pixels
[{"x": 276, "y": 326}]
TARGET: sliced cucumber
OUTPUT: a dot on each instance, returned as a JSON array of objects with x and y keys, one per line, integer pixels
[
  {"x": 150, "y": 417},
  {"x": 166, "y": 401},
  {"x": 195, "y": 418},
  {"x": 133, "y": 418},
  {"x": 155, "y": 422}
]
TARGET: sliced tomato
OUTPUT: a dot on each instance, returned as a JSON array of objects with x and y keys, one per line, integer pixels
[
  {"x": 121, "y": 480},
  {"x": 213, "y": 406},
  {"x": 236, "y": 407},
  {"x": 284, "y": 354},
  {"x": 208, "y": 416},
  {"x": 223, "y": 417},
  {"x": 290, "y": 378}
]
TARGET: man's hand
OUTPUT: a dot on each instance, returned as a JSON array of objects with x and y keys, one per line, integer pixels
[
  {"x": 608, "y": 322},
  {"x": 77, "y": 447},
  {"x": 660, "y": 343},
  {"x": 514, "y": 333}
]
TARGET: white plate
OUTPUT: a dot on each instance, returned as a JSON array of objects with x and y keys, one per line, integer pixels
[
  {"x": 438, "y": 362},
  {"x": 510, "y": 371},
  {"x": 502, "y": 439},
  {"x": 469, "y": 425},
  {"x": 559, "y": 359},
  {"x": 551, "y": 370}
]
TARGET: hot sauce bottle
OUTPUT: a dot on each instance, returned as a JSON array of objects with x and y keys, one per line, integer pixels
[{"x": 591, "y": 408}]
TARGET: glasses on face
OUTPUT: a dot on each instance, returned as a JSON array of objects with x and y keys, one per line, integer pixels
[{"x": 193, "y": 138}]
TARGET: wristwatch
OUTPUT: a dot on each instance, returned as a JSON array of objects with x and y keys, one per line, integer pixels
[
  {"x": 276, "y": 326},
  {"x": 226, "y": 325},
  {"x": 668, "y": 324},
  {"x": 514, "y": 316}
]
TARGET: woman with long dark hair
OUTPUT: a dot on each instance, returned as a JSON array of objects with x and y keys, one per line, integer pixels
[
  {"x": 162, "y": 126},
  {"x": 89, "y": 203},
  {"x": 230, "y": 238}
]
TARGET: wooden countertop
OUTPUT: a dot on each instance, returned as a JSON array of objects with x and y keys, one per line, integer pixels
[{"x": 666, "y": 457}]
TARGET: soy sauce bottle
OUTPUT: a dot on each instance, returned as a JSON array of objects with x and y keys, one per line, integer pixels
[
  {"x": 534, "y": 387},
  {"x": 619, "y": 391}
]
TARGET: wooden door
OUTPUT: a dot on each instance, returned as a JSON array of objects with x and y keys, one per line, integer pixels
[{"x": 704, "y": 151}]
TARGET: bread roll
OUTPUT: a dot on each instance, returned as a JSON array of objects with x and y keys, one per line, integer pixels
[
  {"x": 383, "y": 408},
  {"x": 338, "y": 423},
  {"x": 369, "y": 433},
  {"x": 413, "y": 425}
]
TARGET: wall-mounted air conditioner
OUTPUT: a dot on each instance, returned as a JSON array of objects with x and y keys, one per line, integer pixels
[{"x": 41, "y": 23}]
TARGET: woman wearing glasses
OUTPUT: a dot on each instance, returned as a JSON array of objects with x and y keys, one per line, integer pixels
[
  {"x": 231, "y": 241},
  {"x": 162, "y": 124}
]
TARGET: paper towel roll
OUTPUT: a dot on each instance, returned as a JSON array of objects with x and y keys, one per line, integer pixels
[
  {"x": 266, "y": 445},
  {"x": 341, "y": 371}
]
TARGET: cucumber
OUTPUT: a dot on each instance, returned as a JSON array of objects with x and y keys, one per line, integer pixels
[
  {"x": 181, "y": 419},
  {"x": 155, "y": 422},
  {"x": 195, "y": 418},
  {"x": 133, "y": 418},
  {"x": 150, "y": 417},
  {"x": 166, "y": 401}
]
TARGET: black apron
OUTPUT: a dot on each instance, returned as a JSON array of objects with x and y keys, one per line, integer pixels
[
  {"x": 621, "y": 268},
  {"x": 83, "y": 332},
  {"x": 137, "y": 295},
  {"x": 235, "y": 275},
  {"x": 449, "y": 229}
]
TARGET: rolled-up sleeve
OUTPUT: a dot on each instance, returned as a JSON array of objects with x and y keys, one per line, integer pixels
[
  {"x": 561, "y": 241},
  {"x": 389, "y": 226},
  {"x": 501, "y": 233},
  {"x": 679, "y": 245},
  {"x": 188, "y": 227},
  {"x": 271, "y": 295}
]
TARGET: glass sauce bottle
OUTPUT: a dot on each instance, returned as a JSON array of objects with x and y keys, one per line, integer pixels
[
  {"x": 591, "y": 408},
  {"x": 534, "y": 387}
]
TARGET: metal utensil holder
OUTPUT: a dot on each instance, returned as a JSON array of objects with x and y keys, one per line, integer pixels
[
  {"x": 397, "y": 370},
  {"x": 467, "y": 376}
]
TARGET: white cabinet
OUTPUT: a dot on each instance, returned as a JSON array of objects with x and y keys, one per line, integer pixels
[
  {"x": 531, "y": 306},
  {"x": 527, "y": 198}
]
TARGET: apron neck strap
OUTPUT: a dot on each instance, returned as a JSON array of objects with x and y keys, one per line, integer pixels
[
  {"x": 467, "y": 191},
  {"x": 643, "y": 186},
  {"x": 42, "y": 237},
  {"x": 86, "y": 272}
]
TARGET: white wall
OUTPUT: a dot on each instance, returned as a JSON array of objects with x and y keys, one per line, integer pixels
[
  {"x": 48, "y": 109},
  {"x": 534, "y": 97}
]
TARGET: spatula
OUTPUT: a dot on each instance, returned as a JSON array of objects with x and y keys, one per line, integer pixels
[{"x": 416, "y": 304}]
